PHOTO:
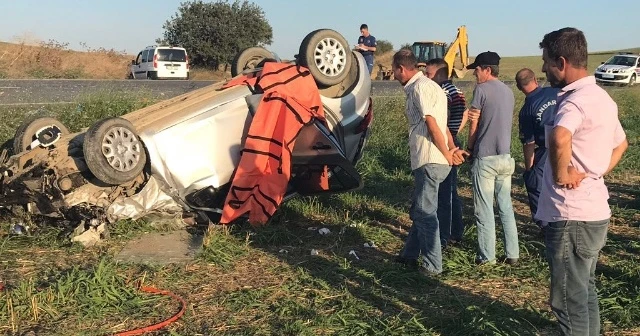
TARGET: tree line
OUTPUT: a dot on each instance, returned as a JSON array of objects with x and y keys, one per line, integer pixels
[{"x": 214, "y": 32}]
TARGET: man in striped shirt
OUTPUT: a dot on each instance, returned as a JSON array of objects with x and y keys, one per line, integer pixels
[
  {"x": 431, "y": 158},
  {"x": 449, "y": 205}
]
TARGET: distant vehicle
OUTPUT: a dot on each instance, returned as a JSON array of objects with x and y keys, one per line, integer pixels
[
  {"x": 160, "y": 62},
  {"x": 622, "y": 68},
  {"x": 428, "y": 50}
]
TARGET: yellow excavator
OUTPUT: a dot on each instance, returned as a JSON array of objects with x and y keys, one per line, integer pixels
[{"x": 427, "y": 50}]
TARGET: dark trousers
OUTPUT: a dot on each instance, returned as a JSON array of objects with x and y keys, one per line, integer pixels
[{"x": 533, "y": 181}]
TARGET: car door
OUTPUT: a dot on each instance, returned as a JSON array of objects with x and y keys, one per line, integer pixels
[
  {"x": 147, "y": 61},
  {"x": 136, "y": 67}
]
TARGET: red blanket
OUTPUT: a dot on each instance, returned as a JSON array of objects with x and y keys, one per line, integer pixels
[{"x": 291, "y": 101}]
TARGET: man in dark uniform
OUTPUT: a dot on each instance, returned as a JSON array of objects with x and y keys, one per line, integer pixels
[
  {"x": 366, "y": 46},
  {"x": 539, "y": 104}
]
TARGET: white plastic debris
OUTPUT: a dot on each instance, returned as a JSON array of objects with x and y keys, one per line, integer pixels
[
  {"x": 314, "y": 252},
  {"x": 283, "y": 251},
  {"x": 18, "y": 228},
  {"x": 324, "y": 231},
  {"x": 312, "y": 228},
  {"x": 370, "y": 244},
  {"x": 353, "y": 253},
  {"x": 91, "y": 236}
]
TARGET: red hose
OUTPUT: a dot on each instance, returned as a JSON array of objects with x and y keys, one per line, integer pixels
[
  {"x": 152, "y": 327},
  {"x": 162, "y": 324}
]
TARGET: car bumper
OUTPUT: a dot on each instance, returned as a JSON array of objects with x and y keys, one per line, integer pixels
[{"x": 616, "y": 78}]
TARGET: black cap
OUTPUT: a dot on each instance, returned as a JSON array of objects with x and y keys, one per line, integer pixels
[{"x": 485, "y": 58}]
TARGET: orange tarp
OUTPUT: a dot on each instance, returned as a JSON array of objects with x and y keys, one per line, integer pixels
[{"x": 291, "y": 101}]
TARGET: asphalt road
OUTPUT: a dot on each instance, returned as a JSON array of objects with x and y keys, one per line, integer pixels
[{"x": 56, "y": 91}]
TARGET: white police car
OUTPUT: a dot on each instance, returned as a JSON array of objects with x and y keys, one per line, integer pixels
[{"x": 622, "y": 68}]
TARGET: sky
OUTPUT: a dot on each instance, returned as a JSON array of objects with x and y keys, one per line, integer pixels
[{"x": 510, "y": 28}]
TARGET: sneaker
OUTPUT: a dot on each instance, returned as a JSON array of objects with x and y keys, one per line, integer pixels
[
  {"x": 509, "y": 261},
  {"x": 428, "y": 273},
  {"x": 410, "y": 263},
  {"x": 481, "y": 262}
]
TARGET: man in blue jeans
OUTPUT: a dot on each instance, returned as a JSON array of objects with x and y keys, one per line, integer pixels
[
  {"x": 585, "y": 141},
  {"x": 449, "y": 203},
  {"x": 491, "y": 120},
  {"x": 539, "y": 102},
  {"x": 426, "y": 111}
]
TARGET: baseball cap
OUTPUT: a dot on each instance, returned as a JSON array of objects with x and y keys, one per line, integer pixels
[{"x": 485, "y": 58}]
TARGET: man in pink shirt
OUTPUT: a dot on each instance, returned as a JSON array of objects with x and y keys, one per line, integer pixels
[{"x": 585, "y": 142}]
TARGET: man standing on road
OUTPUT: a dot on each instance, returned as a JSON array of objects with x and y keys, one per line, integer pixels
[
  {"x": 426, "y": 111},
  {"x": 539, "y": 103},
  {"x": 449, "y": 204},
  {"x": 585, "y": 142},
  {"x": 491, "y": 120},
  {"x": 366, "y": 46}
]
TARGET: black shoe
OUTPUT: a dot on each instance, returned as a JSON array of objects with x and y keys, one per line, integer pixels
[
  {"x": 509, "y": 261},
  {"x": 410, "y": 263}
]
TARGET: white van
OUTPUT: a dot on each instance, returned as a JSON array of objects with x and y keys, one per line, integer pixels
[{"x": 160, "y": 62}]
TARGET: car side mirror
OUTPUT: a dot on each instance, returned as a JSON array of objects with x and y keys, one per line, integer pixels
[{"x": 601, "y": 62}]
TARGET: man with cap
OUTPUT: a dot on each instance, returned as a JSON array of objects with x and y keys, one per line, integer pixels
[{"x": 489, "y": 148}]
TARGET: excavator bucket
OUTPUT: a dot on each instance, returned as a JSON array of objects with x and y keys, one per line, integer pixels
[{"x": 460, "y": 73}]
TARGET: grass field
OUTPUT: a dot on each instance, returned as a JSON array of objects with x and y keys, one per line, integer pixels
[
  {"x": 54, "y": 60},
  {"x": 266, "y": 281}
]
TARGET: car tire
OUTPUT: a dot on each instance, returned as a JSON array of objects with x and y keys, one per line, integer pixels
[
  {"x": 26, "y": 133},
  {"x": 632, "y": 80},
  {"x": 326, "y": 54},
  {"x": 249, "y": 58},
  {"x": 113, "y": 151}
]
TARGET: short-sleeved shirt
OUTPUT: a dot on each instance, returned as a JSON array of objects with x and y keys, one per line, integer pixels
[
  {"x": 536, "y": 104},
  {"x": 457, "y": 105},
  {"x": 369, "y": 41},
  {"x": 425, "y": 98},
  {"x": 496, "y": 102},
  {"x": 589, "y": 113}
]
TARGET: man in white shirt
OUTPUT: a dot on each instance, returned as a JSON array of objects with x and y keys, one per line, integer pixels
[{"x": 431, "y": 160}]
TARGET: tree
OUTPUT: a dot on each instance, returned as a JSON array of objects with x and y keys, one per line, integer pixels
[
  {"x": 406, "y": 46},
  {"x": 383, "y": 46},
  {"x": 214, "y": 32}
]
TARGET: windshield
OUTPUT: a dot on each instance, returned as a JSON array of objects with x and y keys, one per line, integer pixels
[
  {"x": 172, "y": 55},
  {"x": 621, "y": 60}
]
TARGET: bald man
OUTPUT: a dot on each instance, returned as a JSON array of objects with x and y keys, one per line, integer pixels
[{"x": 539, "y": 104}]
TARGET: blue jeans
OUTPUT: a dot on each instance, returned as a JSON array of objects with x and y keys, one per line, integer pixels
[
  {"x": 369, "y": 61},
  {"x": 424, "y": 236},
  {"x": 450, "y": 209},
  {"x": 533, "y": 181},
  {"x": 572, "y": 249},
  {"x": 491, "y": 175}
]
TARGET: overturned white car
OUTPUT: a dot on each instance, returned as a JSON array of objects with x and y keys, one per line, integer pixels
[{"x": 180, "y": 155}]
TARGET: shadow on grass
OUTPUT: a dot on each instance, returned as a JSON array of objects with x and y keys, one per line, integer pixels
[{"x": 384, "y": 287}]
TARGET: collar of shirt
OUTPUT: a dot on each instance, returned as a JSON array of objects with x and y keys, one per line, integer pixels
[
  {"x": 533, "y": 93},
  {"x": 412, "y": 80},
  {"x": 579, "y": 84}
]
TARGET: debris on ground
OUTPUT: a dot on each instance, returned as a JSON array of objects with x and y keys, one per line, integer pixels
[
  {"x": 324, "y": 231},
  {"x": 353, "y": 253},
  {"x": 89, "y": 236},
  {"x": 370, "y": 244}
]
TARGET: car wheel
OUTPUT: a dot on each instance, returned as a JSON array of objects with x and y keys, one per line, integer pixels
[
  {"x": 327, "y": 55},
  {"x": 44, "y": 129},
  {"x": 113, "y": 151},
  {"x": 249, "y": 58},
  {"x": 632, "y": 80}
]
